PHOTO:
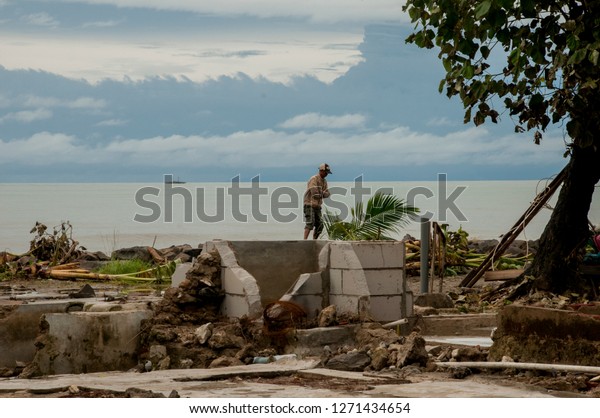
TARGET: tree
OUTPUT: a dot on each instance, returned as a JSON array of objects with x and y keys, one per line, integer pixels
[
  {"x": 538, "y": 62},
  {"x": 384, "y": 214}
]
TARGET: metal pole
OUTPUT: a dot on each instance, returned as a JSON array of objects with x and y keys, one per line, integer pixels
[{"x": 425, "y": 234}]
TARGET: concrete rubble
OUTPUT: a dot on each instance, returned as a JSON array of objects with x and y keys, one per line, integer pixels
[{"x": 227, "y": 322}]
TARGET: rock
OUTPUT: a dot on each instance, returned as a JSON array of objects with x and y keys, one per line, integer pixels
[
  {"x": 85, "y": 292},
  {"x": 225, "y": 361},
  {"x": 435, "y": 350},
  {"x": 204, "y": 332},
  {"x": 354, "y": 361},
  {"x": 157, "y": 352},
  {"x": 93, "y": 256},
  {"x": 371, "y": 335},
  {"x": 142, "y": 393},
  {"x": 483, "y": 246},
  {"x": 221, "y": 339},
  {"x": 328, "y": 316},
  {"x": 164, "y": 364},
  {"x": 186, "y": 363},
  {"x": 412, "y": 351},
  {"x": 379, "y": 358},
  {"x": 133, "y": 253},
  {"x": 73, "y": 389},
  {"x": 435, "y": 300},
  {"x": 184, "y": 252},
  {"x": 460, "y": 372},
  {"x": 424, "y": 310},
  {"x": 174, "y": 394},
  {"x": 469, "y": 354}
]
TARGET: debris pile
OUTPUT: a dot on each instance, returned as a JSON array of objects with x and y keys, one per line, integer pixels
[
  {"x": 461, "y": 254},
  {"x": 56, "y": 255}
]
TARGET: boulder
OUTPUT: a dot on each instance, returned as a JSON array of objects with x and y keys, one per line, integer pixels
[
  {"x": 204, "y": 332},
  {"x": 379, "y": 358},
  {"x": 435, "y": 300},
  {"x": 133, "y": 253},
  {"x": 328, "y": 316},
  {"x": 225, "y": 361},
  {"x": 412, "y": 351},
  {"x": 353, "y": 361}
]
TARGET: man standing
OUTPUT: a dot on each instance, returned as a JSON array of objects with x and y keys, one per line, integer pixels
[{"x": 316, "y": 191}]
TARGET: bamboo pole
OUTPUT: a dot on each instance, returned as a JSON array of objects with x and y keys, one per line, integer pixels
[{"x": 539, "y": 202}]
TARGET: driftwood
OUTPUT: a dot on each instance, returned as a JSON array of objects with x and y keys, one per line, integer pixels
[{"x": 491, "y": 276}]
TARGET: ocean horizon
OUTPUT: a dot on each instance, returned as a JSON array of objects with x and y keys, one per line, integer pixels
[{"x": 108, "y": 216}]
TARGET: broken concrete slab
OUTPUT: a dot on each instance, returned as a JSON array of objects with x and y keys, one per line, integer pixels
[
  {"x": 229, "y": 383},
  {"x": 542, "y": 335},
  {"x": 19, "y": 327},
  {"x": 463, "y": 324},
  {"x": 85, "y": 342}
]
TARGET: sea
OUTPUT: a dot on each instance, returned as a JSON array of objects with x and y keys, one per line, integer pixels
[{"x": 108, "y": 216}]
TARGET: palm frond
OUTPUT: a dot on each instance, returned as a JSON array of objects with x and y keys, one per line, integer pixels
[{"x": 384, "y": 214}]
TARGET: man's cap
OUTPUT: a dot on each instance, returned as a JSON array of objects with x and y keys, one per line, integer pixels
[{"x": 325, "y": 167}]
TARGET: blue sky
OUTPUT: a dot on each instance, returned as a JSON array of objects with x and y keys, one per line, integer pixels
[{"x": 129, "y": 90}]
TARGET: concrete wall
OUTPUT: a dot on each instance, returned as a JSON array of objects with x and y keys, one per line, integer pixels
[
  {"x": 367, "y": 278},
  {"x": 20, "y": 325},
  {"x": 87, "y": 342},
  {"x": 360, "y": 278}
]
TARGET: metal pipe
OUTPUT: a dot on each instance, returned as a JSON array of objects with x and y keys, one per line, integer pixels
[
  {"x": 425, "y": 234},
  {"x": 524, "y": 366}
]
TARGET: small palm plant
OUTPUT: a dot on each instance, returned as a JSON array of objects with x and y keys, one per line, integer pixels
[{"x": 384, "y": 214}]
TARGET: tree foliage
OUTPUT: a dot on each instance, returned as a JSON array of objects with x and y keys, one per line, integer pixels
[
  {"x": 538, "y": 62},
  {"x": 537, "y": 59}
]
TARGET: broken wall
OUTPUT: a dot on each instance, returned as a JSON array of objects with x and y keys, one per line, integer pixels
[{"x": 361, "y": 278}]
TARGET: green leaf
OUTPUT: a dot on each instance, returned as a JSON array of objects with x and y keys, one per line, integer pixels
[
  {"x": 577, "y": 57},
  {"x": 468, "y": 71},
  {"x": 482, "y": 9},
  {"x": 593, "y": 57},
  {"x": 485, "y": 52}
]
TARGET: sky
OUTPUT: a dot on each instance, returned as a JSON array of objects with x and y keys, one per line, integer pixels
[{"x": 131, "y": 90}]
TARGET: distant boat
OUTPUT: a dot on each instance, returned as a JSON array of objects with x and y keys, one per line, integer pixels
[{"x": 169, "y": 180}]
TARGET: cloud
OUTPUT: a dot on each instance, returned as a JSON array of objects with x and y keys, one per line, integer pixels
[
  {"x": 42, "y": 149},
  {"x": 112, "y": 122},
  {"x": 329, "y": 11},
  {"x": 441, "y": 121},
  {"x": 27, "y": 116},
  {"x": 262, "y": 149},
  {"x": 318, "y": 121},
  {"x": 78, "y": 103},
  {"x": 102, "y": 24},
  {"x": 40, "y": 19}
]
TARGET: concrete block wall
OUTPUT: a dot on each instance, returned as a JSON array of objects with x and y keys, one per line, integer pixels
[
  {"x": 360, "y": 278},
  {"x": 367, "y": 279}
]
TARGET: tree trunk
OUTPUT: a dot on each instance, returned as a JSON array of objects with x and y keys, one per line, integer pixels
[{"x": 555, "y": 266}]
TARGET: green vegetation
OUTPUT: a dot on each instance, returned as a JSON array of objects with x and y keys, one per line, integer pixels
[
  {"x": 136, "y": 271},
  {"x": 117, "y": 267},
  {"x": 383, "y": 215}
]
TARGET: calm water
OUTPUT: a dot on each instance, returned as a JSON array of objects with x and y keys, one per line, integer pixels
[{"x": 104, "y": 215}]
